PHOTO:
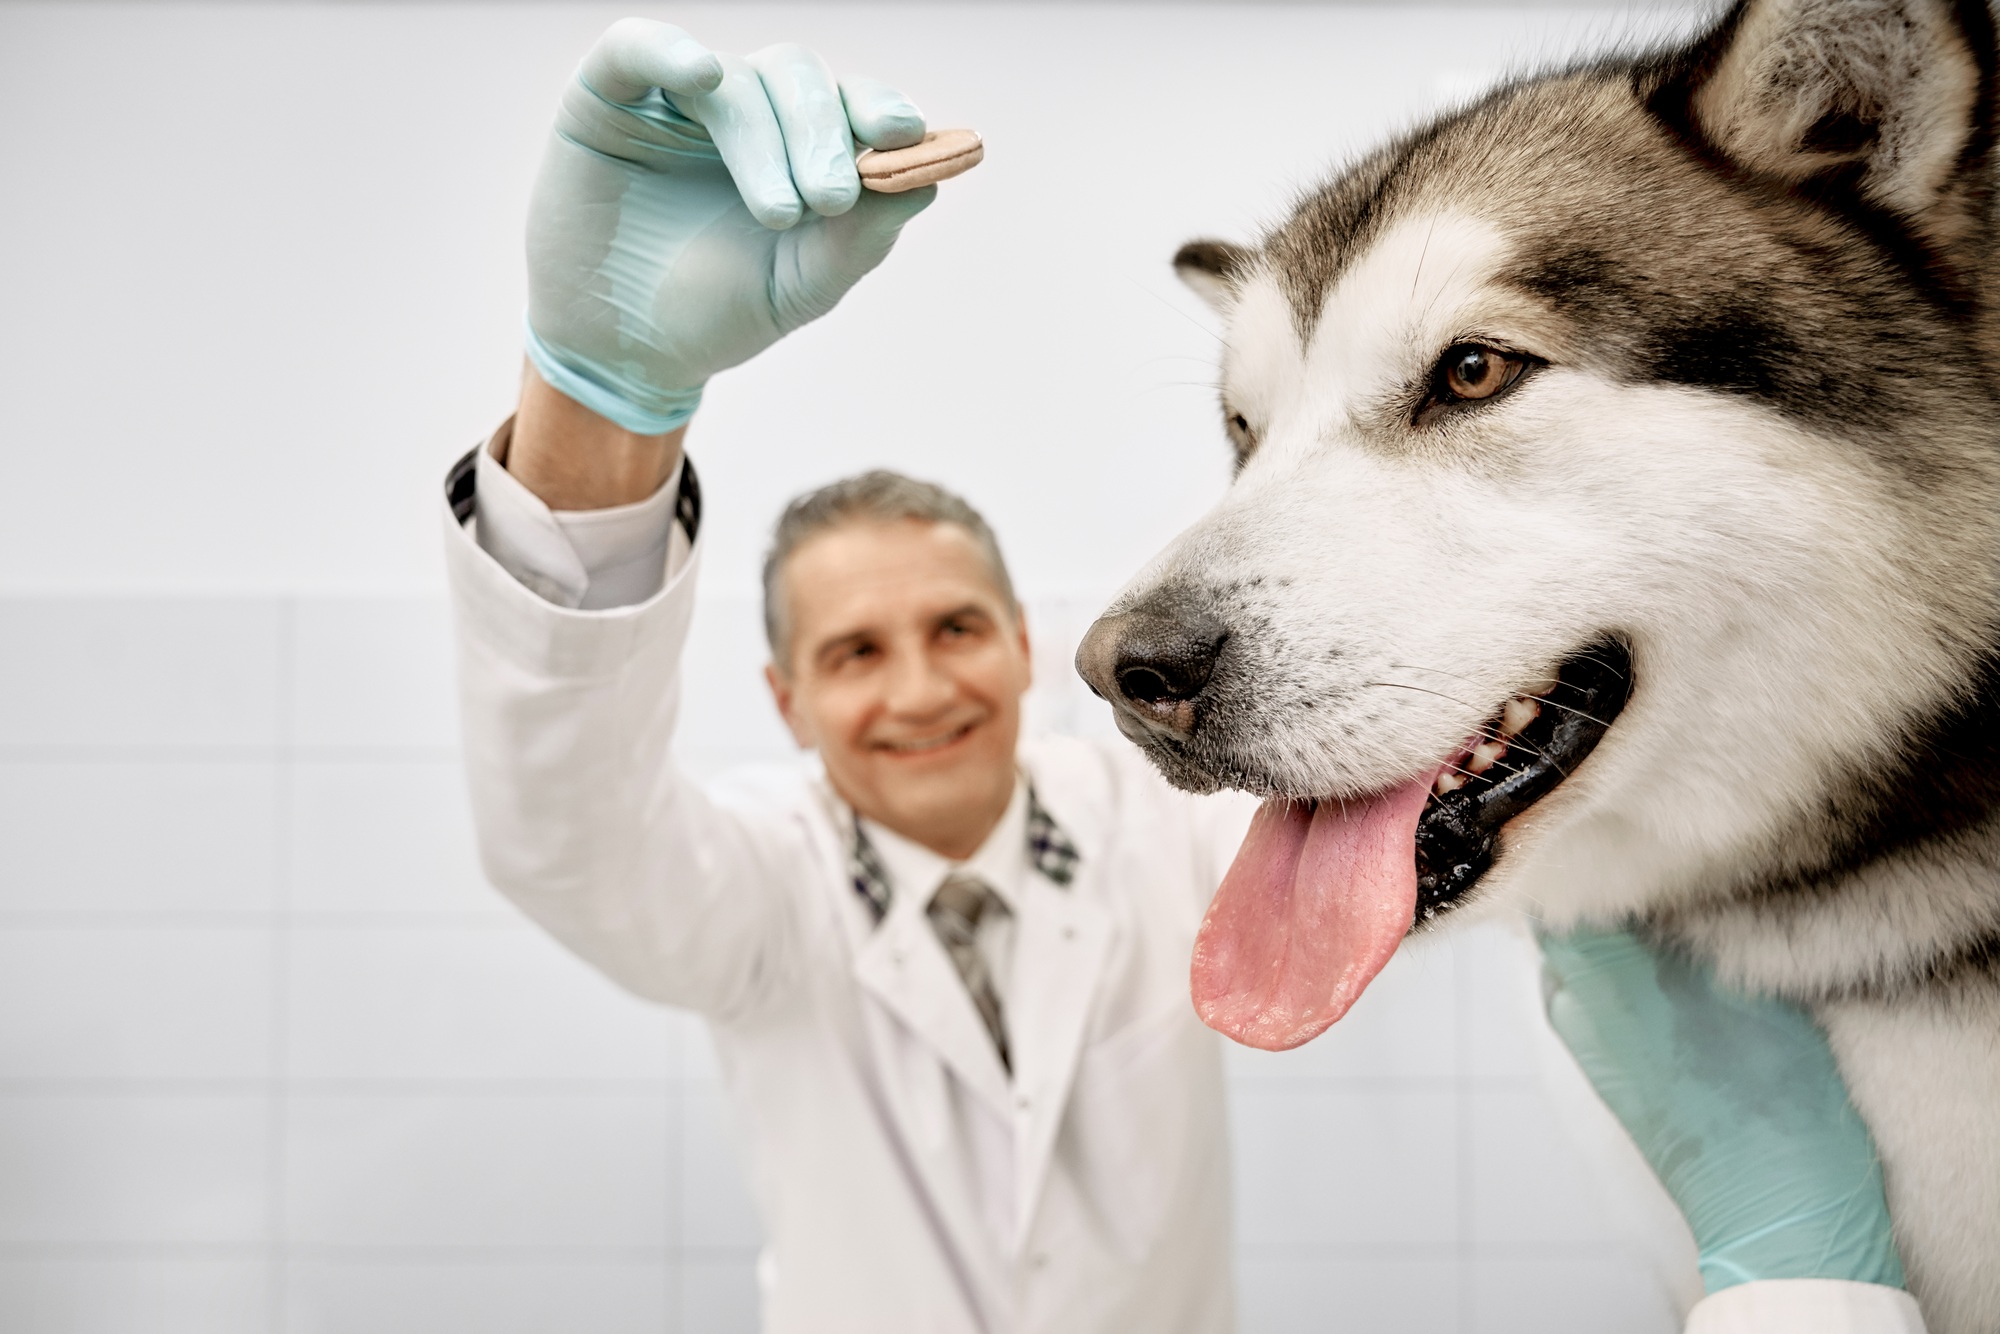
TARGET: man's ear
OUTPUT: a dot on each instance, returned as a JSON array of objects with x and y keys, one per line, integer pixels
[
  {"x": 1027, "y": 645},
  {"x": 1894, "y": 95},
  {"x": 786, "y": 699},
  {"x": 1214, "y": 269}
]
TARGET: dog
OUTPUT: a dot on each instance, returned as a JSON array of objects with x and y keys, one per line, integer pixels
[{"x": 1616, "y": 538}]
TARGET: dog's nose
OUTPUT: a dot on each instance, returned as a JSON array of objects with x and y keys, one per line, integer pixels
[{"x": 1151, "y": 664}]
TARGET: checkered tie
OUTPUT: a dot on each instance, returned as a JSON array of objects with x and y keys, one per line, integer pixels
[{"x": 955, "y": 911}]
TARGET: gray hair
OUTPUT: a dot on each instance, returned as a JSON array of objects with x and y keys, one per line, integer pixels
[{"x": 878, "y": 496}]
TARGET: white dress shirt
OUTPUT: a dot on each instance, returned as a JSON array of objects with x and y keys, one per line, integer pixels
[
  {"x": 589, "y": 560},
  {"x": 1002, "y": 863},
  {"x": 629, "y": 558}
]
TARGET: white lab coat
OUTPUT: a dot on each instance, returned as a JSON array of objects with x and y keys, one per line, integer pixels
[{"x": 851, "y": 1050}]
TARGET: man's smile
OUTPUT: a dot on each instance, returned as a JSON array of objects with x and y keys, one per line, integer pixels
[{"x": 928, "y": 744}]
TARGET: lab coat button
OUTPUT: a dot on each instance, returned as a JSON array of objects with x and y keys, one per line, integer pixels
[
  {"x": 1039, "y": 1260},
  {"x": 1069, "y": 933},
  {"x": 1024, "y": 1102}
]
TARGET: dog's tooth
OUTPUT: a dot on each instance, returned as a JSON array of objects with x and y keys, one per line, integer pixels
[
  {"x": 1448, "y": 782},
  {"x": 1484, "y": 755},
  {"x": 1545, "y": 686},
  {"x": 1518, "y": 713}
]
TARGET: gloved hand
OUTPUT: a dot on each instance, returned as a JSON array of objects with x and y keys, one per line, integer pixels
[
  {"x": 692, "y": 209},
  {"x": 1736, "y": 1103}
]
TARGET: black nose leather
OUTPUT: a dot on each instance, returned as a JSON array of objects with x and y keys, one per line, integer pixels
[{"x": 1153, "y": 663}]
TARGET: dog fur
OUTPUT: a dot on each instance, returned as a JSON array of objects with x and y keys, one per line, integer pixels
[{"x": 1751, "y": 282}]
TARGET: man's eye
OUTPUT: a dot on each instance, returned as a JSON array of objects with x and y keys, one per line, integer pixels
[{"x": 1468, "y": 372}]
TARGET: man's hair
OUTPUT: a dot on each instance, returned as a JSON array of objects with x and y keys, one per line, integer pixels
[{"x": 878, "y": 496}]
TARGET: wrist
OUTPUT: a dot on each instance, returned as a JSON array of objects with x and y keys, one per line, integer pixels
[
  {"x": 640, "y": 408},
  {"x": 573, "y": 458}
]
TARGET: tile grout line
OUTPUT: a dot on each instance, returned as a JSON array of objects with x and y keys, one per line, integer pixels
[
  {"x": 383, "y": 1253},
  {"x": 84, "y": 753},
  {"x": 672, "y": 1274},
  {"x": 1465, "y": 1248},
  {"x": 276, "y": 1265}
]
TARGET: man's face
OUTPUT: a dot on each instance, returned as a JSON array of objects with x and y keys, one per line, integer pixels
[{"x": 906, "y": 669}]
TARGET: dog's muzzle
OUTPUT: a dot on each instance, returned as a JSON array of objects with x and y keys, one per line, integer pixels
[{"x": 1153, "y": 664}]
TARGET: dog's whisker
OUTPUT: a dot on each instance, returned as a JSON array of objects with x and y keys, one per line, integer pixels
[
  {"x": 1425, "y": 254},
  {"x": 1611, "y": 667},
  {"x": 1178, "y": 311},
  {"x": 1571, "y": 708},
  {"x": 1515, "y": 742},
  {"x": 1402, "y": 685},
  {"x": 1554, "y": 703}
]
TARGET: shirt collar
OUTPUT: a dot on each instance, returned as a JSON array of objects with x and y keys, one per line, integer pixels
[
  {"x": 1002, "y": 861},
  {"x": 1026, "y": 837}
]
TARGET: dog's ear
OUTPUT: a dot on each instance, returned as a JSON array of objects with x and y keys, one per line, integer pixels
[
  {"x": 1214, "y": 269},
  {"x": 1894, "y": 96}
]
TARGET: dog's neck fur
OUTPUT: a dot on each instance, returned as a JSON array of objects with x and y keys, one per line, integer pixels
[
  {"x": 1914, "y": 842},
  {"x": 1893, "y": 884}
]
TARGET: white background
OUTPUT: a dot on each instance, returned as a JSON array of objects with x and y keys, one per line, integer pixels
[
  {"x": 263, "y": 274},
  {"x": 271, "y": 1056}
]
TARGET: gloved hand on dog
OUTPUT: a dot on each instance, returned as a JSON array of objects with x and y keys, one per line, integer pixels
[
  {"x": 693, "y": 208},
  {"x": 1736, "y": 1103}
]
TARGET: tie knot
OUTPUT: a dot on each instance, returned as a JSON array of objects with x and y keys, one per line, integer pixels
[{"x": 964, "y": 896}]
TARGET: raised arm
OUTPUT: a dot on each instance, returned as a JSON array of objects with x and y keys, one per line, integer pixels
[{"x": 692, "y": 208}]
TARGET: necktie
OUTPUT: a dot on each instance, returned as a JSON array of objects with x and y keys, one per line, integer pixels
[{"x": 955, "y": 911}]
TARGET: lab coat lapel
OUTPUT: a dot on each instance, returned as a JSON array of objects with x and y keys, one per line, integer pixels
[
  {"x": 1062, "y": 946},
  {"x": 905, "y": 968}
]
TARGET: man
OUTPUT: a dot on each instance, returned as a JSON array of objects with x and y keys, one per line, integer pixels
[
  {"x": 947, "y": 982},
  {"x": 948, "y": 977}
]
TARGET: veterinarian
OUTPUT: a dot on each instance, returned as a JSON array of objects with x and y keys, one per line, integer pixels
[{"x": 948, "y": 978}]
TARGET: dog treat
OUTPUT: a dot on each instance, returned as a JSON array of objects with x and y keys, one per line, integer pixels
[{"x": 942, "y": 155}]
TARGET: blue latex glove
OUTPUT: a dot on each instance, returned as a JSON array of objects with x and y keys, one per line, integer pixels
[
  {"x": 1736, "y": 1103},
  {"x": 694, "y": 208}
]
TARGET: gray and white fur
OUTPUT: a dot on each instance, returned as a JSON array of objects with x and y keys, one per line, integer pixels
[{"x": 1750, "y": 289}]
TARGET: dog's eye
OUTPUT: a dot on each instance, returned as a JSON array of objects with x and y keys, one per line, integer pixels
[
  {"x": 1241, "y": 438},
  {"x": 1472, "y": 371}
]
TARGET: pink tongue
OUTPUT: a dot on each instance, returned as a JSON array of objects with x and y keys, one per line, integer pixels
[{"x": 1316, "y": 901}]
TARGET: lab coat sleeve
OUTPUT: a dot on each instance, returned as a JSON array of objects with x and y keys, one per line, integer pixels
[
  {"x": 1807, "y": 1306},
  {"x": 582, "y": 818}
]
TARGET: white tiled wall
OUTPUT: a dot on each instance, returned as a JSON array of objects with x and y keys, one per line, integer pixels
[{"x": 273, "y": 1059}]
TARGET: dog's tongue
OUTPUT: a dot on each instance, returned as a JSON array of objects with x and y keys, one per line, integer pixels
[{"x": 1316, "y": 901}]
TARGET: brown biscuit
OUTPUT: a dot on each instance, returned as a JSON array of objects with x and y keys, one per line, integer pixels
[{"x": 942, "y": 155}]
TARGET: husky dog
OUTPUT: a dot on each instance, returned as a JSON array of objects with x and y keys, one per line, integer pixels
[{"x": 1616, "y": 537}]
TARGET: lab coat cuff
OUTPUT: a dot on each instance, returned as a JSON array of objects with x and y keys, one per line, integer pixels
[
  {"x": 508, "y": 618},
  {"x": 1807, "y": 1306},
  {"x": 512, "y": 525},
  {"x": 591, "y": 559}
]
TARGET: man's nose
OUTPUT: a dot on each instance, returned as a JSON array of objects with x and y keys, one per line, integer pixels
[
  {"x": 918, "y": 685},
  {"x": 1153, "y": 663}
]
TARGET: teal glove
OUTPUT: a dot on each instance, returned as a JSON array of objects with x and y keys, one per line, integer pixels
[
  {"x": 692, "y": 209},
  {"x": 1736, "y": 1103}
]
